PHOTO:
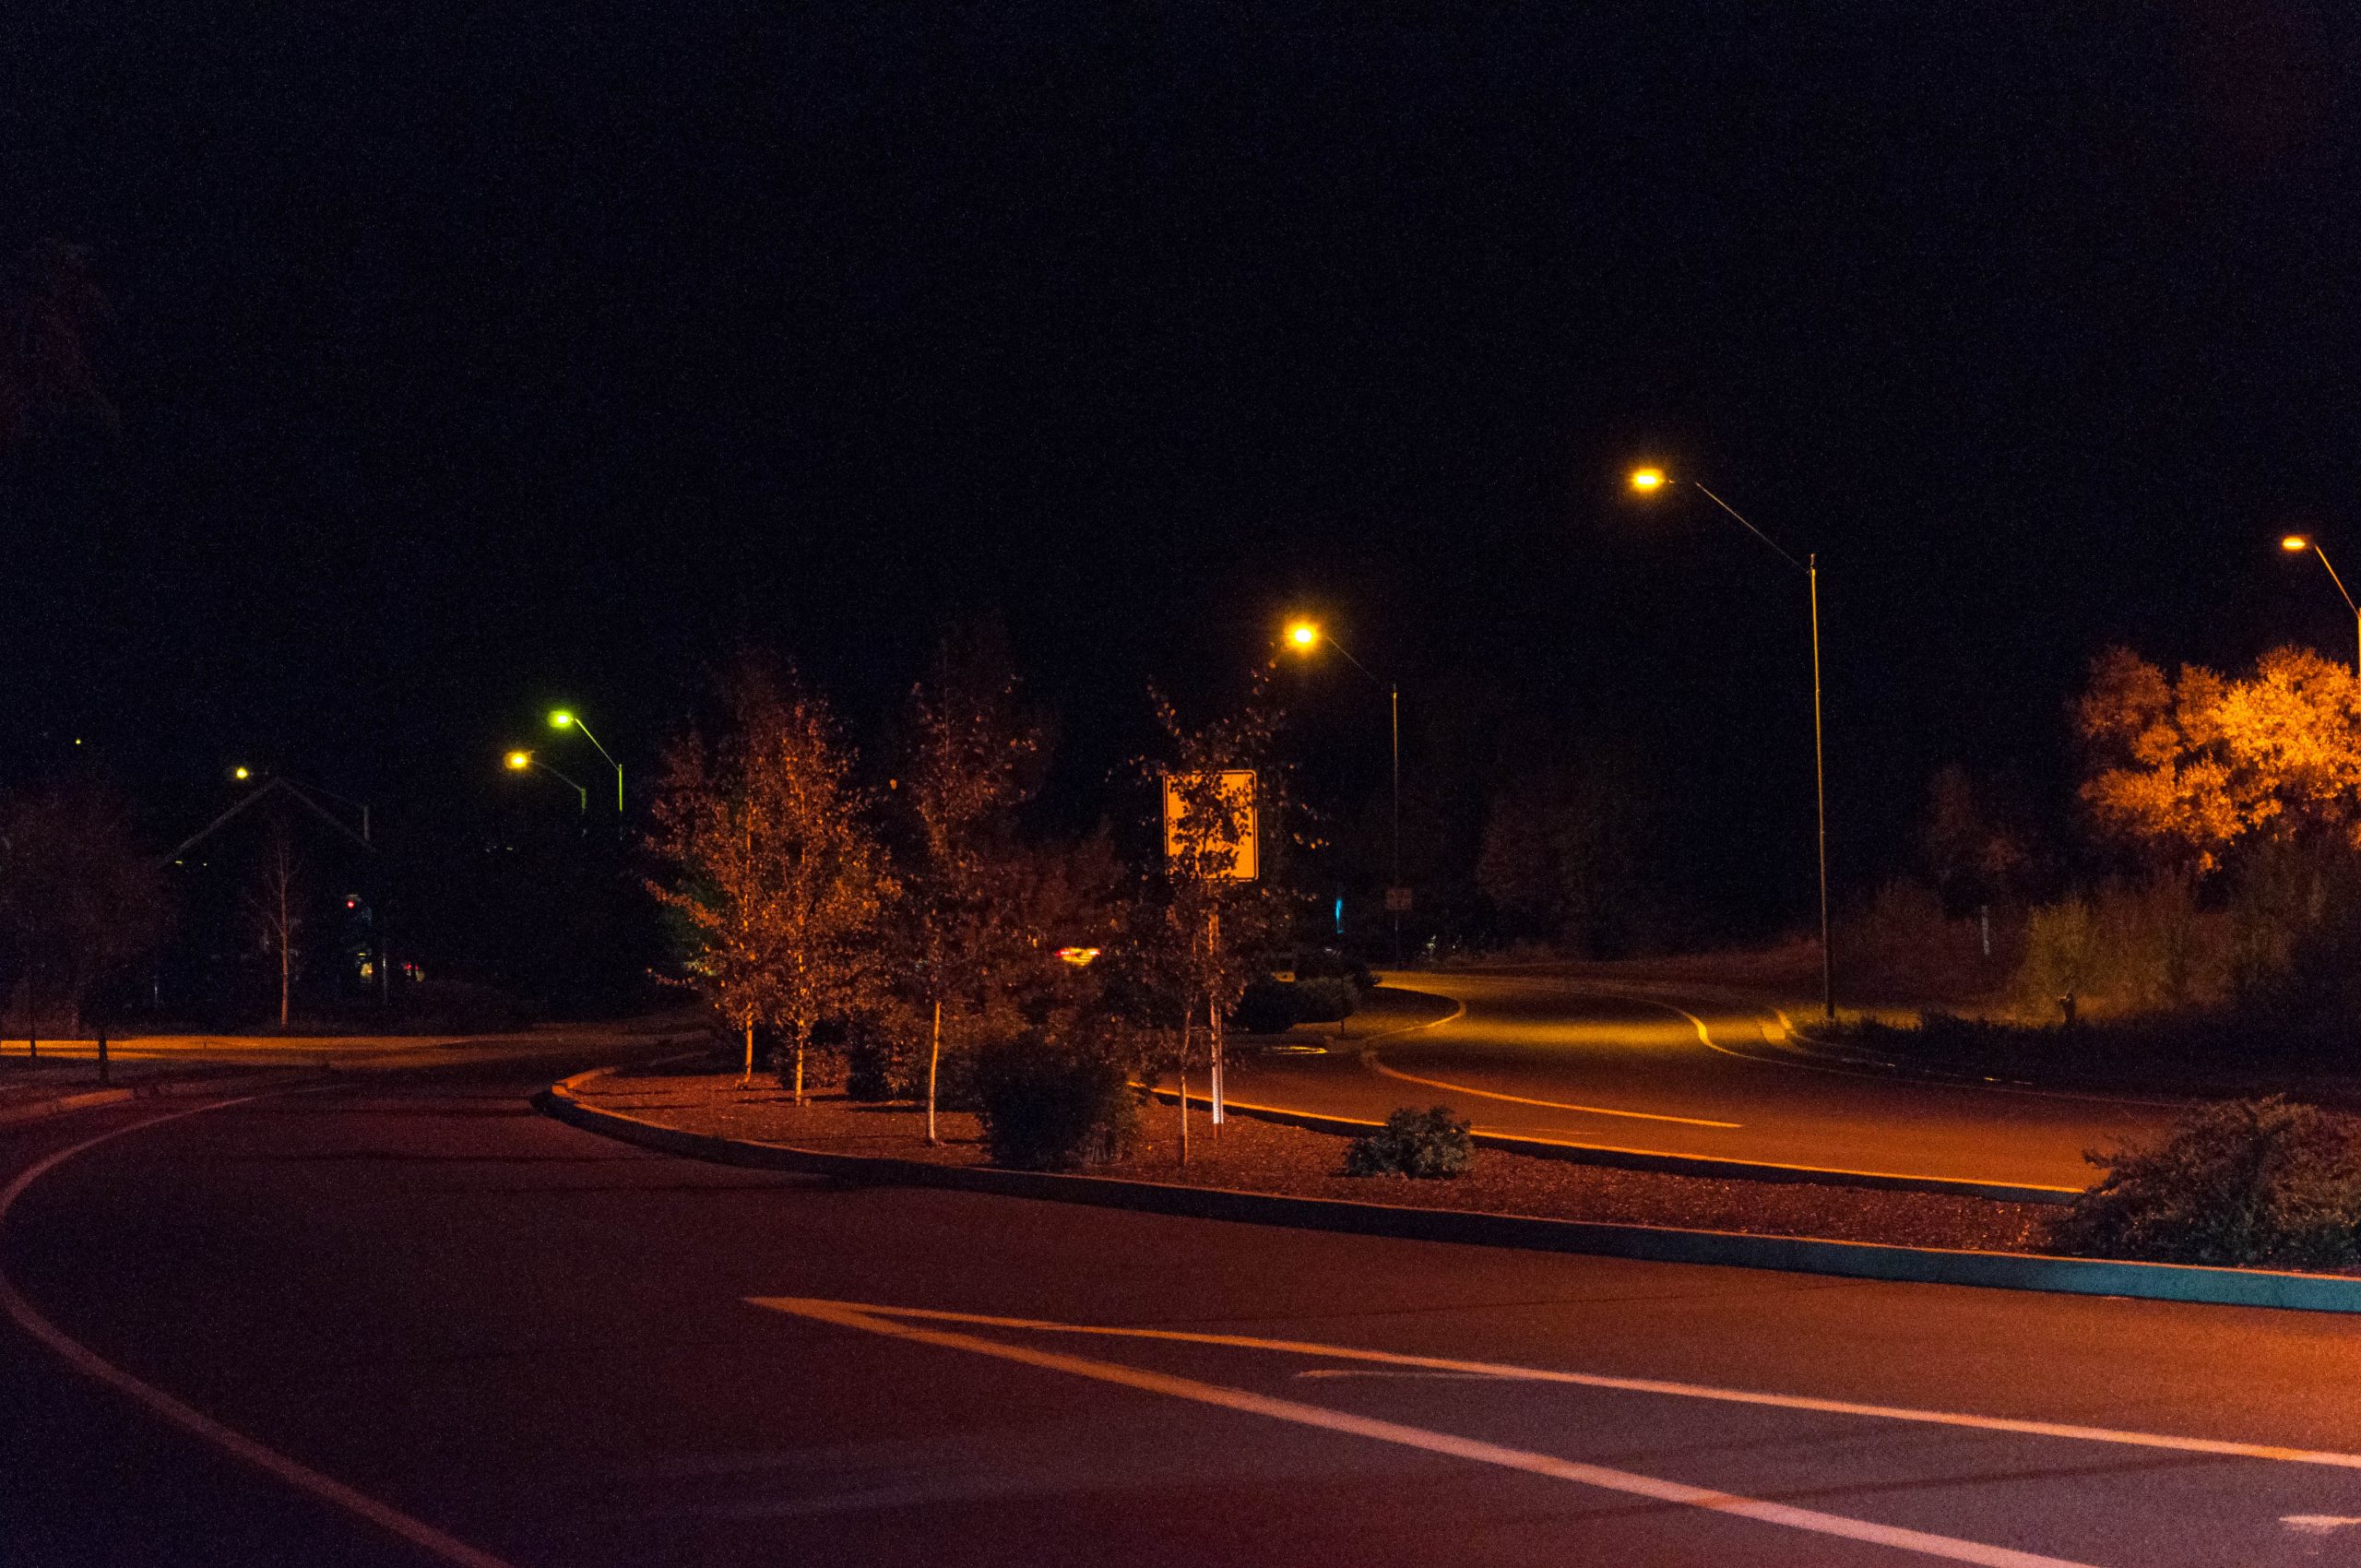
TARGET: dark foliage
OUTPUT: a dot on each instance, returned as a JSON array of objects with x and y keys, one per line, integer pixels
[
  {"x": 2244, "y": 1184},
  {"x": 1046, "y": 1108},
  {"x": 1423, "y": 1144}
]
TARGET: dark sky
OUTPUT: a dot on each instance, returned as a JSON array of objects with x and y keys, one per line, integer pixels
[{"x": 471, "y": 358}]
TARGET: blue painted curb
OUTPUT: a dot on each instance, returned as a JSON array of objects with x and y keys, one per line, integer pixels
[{"x": 1857, "y": 1260}]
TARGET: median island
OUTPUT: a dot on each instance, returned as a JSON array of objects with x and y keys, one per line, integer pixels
[{"x": 1249, "y": 1155}]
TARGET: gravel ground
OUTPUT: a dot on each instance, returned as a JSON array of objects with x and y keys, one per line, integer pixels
[{"x": 1264, "y": 1157}]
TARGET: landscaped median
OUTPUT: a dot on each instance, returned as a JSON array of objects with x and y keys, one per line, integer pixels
[{"x": 1267, "y": 1173}]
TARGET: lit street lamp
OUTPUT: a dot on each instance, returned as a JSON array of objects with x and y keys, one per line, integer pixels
[
  {"x": 562, "y": 720},
  {"x": 1306, "y": 636},
  {"x": 519, "y": 760},
  {"x": 2296, "y": 545},
  {"x": 1647, "y": 482}
]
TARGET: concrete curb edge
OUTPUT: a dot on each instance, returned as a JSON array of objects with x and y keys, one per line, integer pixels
[
  {"x": 1667, "y": 1164},
  {"x": 1857, "y": 1260}
]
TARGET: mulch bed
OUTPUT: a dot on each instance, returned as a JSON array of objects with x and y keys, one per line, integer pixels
[{"x": 1264, "y": 1156}]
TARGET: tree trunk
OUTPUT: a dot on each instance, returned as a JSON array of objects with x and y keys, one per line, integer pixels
[
  {"x": 801, "y": 1031},
  {"x": 748, "y": 1081},
  {"x": 282, "y": 976},
  {"x": 1185, "y": 1032},
  {"x": 933, "y": 1063}
]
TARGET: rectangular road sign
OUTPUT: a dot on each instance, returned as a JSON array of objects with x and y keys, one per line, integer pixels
[
  {"x": 1236, "y": 838},
  {"x": 1397, "y": 900}
]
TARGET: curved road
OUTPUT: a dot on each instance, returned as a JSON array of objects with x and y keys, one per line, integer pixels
[
  {"x": 411, "y": 1322},
  {"x": 1546, "y": 1057}
]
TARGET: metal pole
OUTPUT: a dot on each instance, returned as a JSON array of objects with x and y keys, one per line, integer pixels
[
  {"x": 1394, "y": 697},
  {"x": 1819, "y": 787}
]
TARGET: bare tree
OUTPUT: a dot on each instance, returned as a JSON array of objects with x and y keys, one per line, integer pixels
[{"x": 275, "y": 909}]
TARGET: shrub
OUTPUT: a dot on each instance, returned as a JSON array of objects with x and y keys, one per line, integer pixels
[
  {"x": 1272, "y": 1006},
  {"x": 1425, "y": 1144},
  {"x": 1043, "y": 1107},
  {"x": 2244, "y": 1183},
  {"x": 1267, "y": 1008}
]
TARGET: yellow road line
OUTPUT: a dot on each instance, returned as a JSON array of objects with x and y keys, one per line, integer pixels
[{"x": 1377, "y": 1066}]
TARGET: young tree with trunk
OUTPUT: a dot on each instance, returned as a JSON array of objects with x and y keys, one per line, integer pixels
[
  {"x": 974, "y": 758},
  {"x": 1217, "y": 929},
  {"x": 777, "y": 876},
  {"x": 275, "y": 909}
]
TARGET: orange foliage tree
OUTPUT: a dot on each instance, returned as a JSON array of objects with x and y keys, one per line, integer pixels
[{"x": 2188, "y": 767}]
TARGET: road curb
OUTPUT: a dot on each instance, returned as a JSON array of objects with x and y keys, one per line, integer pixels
[
  {"x": 1856, "y": 1260},
  {"x": 1667, "y": 1164},
  {"x": 90, "y": 1101}
]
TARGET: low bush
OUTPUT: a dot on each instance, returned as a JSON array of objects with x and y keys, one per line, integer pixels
[
  {"x": 1423, "y": 1144},
  {"x": 2252, "y": 1184},
  {"x": 1044, "y": 1108},
  {"x": 1275, "y": 1007},
  {"x": 1326, "y": 1000}
]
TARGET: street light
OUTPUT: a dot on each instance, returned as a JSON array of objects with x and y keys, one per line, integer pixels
[
  {"x": 562, "y": 720},
  {"x": 1306, "y": 636},
  {"x": 1647, "y": 482},
  {"x": 2296, "y": 545},
  {"x": 519, "y": 760}
]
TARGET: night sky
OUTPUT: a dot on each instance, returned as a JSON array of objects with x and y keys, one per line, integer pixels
[{"x": 471, "y": 359}]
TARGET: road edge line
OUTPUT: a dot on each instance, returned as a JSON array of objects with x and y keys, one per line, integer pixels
[
  {"x": 82, "y": 1359},
  {"x": 1793, "y": 1254}
]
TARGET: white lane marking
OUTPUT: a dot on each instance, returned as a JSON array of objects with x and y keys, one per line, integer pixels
[
  {"x": 1631, "y": 1483},
  {"x": 89, "y": 1362},
  {"x": 1317, "y": 1373},
  {"x": 1636, "y": 1385},
  {"x": 1378, "y": 1066},
  {"x": 2317, "y": 1523}
]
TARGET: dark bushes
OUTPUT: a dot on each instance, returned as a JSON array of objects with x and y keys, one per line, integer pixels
[
  {"x": 1274, "y": 1006},
  {"x": 1044, "y": 1107},
  {"x": 2244, "y": 1184},
  {"x": 1424, "y": 1144}
]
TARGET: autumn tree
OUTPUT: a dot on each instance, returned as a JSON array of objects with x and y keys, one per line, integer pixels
[
  {"x": 2189, "y": 768},
  {"x": 1214, "y": 928},
  {"x": 974, "y": 759},
  {"x": 777, "y": 876}
]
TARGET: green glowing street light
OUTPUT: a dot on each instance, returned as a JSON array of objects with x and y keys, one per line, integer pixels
[{"x": 560, "y": 719}]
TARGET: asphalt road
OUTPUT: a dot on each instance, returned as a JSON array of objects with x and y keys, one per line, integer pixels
[
  {"x": 1550, "y": 1058},
  {"x": 535, "y": 1346}
]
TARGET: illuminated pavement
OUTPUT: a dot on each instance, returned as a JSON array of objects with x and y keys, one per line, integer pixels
[
  {"x": 1548, "y": 1057},
  {"x": 539, "y": 1348}
]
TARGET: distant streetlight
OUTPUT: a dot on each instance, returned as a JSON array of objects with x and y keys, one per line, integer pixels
[
  {"x": 241, "y": 774},
  {"x": 2296, "y": 545},
  {"x": 519, "y": 762},
  {"x": 562, "y": 720},
  {"x": 1306, "y": 636},
  {"x": 1647, "y": 482}
]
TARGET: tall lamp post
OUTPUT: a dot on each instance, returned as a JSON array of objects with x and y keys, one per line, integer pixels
[
  {"x": 562, "y": 720},
  {"x": 1304, "y": 637},
  {"x": 1651, "y": 480},
  {"x": 520, "y": 761},
  {"x": 2296, "y": 545}
]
